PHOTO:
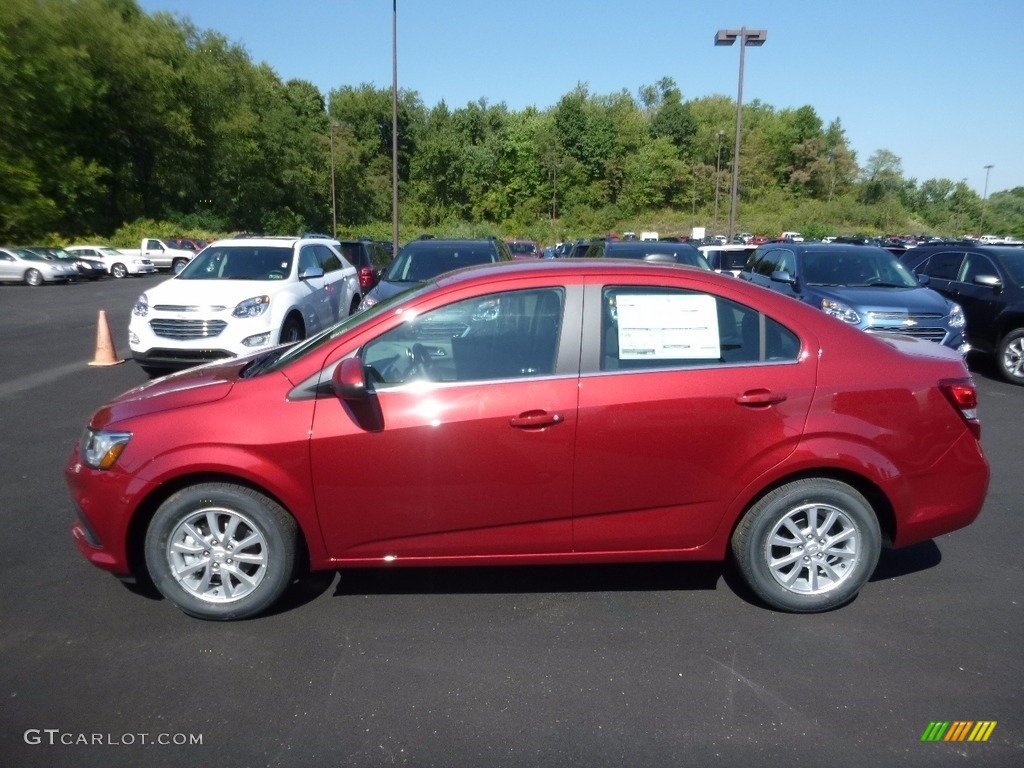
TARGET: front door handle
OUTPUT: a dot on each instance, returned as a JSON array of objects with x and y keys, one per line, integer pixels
[
  {"x": 536, "y": 420},
  {"x": 760, "y": 397}
]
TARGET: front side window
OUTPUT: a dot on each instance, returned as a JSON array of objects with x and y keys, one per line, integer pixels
[
  {"x": 308, "y": 259},
  {"x": 652, "y": 328},
  {"x": 498, "y": 336},
  {"x": 975, "y": 266}
]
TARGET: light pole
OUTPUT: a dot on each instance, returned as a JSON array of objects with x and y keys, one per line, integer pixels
[
  {"x": 334, "y": 198},
  {"x": 746, "y": 37},
  {"x": 394, "y": 127},
  {"x": 718, "y": 176},
  {"x": 984, "y": 200}
]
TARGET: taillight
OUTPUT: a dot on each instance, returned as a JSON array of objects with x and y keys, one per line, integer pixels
[
  {"x": 366, "y": 277},
  {"x": 963, "y": 396}
]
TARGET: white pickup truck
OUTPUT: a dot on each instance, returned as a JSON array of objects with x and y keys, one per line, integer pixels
[{"x": 164, "y": 255}]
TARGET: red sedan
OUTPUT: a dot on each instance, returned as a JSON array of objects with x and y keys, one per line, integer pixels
[{"x": 523, "y": 413}]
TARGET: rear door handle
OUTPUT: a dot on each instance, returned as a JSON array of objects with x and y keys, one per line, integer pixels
[
  {"x": 536, "y": 420},
  {"x": 760, "y": 398}
]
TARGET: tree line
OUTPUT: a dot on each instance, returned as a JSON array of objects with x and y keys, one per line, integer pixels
[{"x": 114, "y": 120}]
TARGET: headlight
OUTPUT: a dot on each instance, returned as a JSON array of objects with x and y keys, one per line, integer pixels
[
  {"x": 141, "y": 308},
  {"x": 956, "y": 317},
  {"x": 253, "y": 307},
  {"x": 100, "y": 449},
  {"x": 841, "y": 311},
  {"x": 366, "y": 303}
]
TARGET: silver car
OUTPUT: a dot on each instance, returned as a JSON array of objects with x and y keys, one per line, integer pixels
[{"x": 24, "y": 266}]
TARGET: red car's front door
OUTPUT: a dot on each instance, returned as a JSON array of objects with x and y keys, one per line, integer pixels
[{"x": 465, "y": 447}]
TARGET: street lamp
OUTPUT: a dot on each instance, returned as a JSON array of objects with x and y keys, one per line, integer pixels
[
  {"x": 394, "y": 127},
  {"x": 718, "y": 176},
  {"x": 334, "y": 198},
  {"x": 984, "y": 199},
  {"x": 746, "y": 37}
]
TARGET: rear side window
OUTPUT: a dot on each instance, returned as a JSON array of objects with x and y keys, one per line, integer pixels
[
  {"x": 945, "y": 266},
  {"x": 654, "y": 328}
]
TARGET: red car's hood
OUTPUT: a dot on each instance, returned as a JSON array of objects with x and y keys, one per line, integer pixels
[{"x": 192, "y": 387}]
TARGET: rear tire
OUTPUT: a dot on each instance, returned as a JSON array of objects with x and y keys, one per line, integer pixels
[
  {"x": 220, "y": 551},
  {"x": 178, "y": 264},
  {"x": 808, "y": 546},
  {"x": 1010, "y": 356}
]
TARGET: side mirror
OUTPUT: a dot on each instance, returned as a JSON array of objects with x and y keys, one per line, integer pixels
[
  {"x": 989, "y": 281},
  {"x": 310, "y": 273},
  {"x": 783, "y": 277},
  {"x": 923, "y": 279},
  {"x": 349, "y": 379}
]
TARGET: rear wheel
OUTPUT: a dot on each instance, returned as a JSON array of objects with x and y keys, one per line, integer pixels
[
  {"x": 33, "y": 277},
  {"x": 178, "y": 264},
  {"x": 119, "y": 271},
  {"x": 221, "y": 551},
  {"x": 808, "y": 546},
  {"x": 1011, "y": 356}
]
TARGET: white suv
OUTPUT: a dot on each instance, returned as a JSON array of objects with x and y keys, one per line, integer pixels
[{"x": 242, "y": 296}]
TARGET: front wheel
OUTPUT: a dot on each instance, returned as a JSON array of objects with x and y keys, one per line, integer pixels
[
  {"x": 808, "y": 546},
  {"x": 221, "y": 551},
  {"x": 33, "y": 277},
  {"x": 292, "y": 331},
  {"x": 119, "y": 271},
  {"x": 1011, "y": 356}
]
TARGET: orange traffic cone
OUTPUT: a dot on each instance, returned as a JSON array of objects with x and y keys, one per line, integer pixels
[{"x": 105, "y": 352}]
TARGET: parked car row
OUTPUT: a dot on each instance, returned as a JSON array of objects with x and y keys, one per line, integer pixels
[{"x": 35, "y": 265}]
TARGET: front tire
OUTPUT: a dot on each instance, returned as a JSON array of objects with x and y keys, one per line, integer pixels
[
  {"x": 33, "y": 277},
  {"x": 1010, "y": 356},
  {"x": 220, "y": 551},
  {"x": 292, "y": 331},
  {"x": 808, "y": 546},
  {"x": 119, "y": 271}
]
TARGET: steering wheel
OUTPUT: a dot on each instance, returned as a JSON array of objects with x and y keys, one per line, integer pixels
[{"x": 422, "y": 363}]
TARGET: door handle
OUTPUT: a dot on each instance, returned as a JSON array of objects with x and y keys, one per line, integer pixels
[
  {"x": 536, "y": 420},
  {"x": 760, "y": 397}
]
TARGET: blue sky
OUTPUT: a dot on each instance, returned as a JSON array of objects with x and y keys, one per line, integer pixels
[{"x": 940, "y": 83}]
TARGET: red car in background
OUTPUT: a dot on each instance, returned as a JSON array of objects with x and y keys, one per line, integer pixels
[
  {"x": 595, "y": 412},
  {"x": 524, "y": 249}
]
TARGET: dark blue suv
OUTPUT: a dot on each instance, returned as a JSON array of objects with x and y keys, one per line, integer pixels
[{"x": 863, "y": 285}]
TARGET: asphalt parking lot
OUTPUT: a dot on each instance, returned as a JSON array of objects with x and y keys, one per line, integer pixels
[{"x": 589, "y": 666}]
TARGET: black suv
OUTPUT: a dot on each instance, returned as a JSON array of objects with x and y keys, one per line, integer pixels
[
  {"x": 988, "y": 282},
  {"x": 369, "y": 257},
  {"x": 426, "y": 258},
  {"x": 661, "y": 252}
]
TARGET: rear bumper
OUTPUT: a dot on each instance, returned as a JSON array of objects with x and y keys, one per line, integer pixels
[{"x": 948, "y": 496}]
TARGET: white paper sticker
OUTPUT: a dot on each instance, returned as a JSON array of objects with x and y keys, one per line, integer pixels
[{"x": 668, "y": 327}]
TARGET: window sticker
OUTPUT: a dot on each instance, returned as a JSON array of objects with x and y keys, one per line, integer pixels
[{"x": 666, "y": 327}]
